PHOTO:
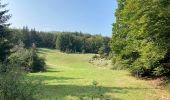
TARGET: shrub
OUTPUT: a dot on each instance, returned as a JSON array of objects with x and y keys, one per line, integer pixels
[
  {"x": 14, "y": 85},
  {"x": 104, "y": 51},
  {"x": 28, "y": 59},
  {"x": 95, "y": 57}
]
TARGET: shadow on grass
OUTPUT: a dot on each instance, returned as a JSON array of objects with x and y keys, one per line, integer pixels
[
  {"x": 44, "y": 50},
  {"x": 51, "y": 69},
  {"x": 41, "y": 52},
  {"x": 57, "y": 92},
  {"x": 48, "y": 78},
  {"x": 61, "y": 91}
]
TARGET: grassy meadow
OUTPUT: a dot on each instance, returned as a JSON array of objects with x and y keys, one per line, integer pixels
[{"x": 72, "y": 77}]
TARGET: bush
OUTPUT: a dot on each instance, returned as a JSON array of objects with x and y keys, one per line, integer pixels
[
  {"x": 14, "y": 85},
  {"x": 95, "y": 57},
  {"x": 104, "y": 51},
  {"x": 27, "y": 58}
]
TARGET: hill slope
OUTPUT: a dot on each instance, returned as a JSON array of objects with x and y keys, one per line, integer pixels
[{"x": 71, "y": 76}]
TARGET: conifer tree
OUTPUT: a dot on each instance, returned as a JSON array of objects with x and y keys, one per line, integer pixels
[{"x": 4, "y": 33}]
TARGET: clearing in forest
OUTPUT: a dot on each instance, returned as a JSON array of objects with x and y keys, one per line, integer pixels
[{"x": 71, "y": 77}]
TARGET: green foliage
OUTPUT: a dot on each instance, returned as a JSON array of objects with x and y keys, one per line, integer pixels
[
  {"x": 27, "y": 58},
  {"x": 4, "y": 33},
  {"x": 30, "y": 36},
  {"x": 70, "y": 42},
  {"x": 104, "y": 51},
  {"x": 141, "y": 38},
  {"x": 14, "y": 85},
  {"x": 37, "y": 63},
  {"x": 95, "y": 57},
  {"x": 41, "y": 39},
  {"x": 83, "y": 43}
]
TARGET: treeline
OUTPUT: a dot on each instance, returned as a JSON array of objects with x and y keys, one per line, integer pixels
[
  {"x": 141, "y": 37},
  {"x": 30, "y": 36},
  {"x": 82, "y": 43},
  {"x": 70, "y": 42}
]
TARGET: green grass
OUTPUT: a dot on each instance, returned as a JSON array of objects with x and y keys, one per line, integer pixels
[{"x": 71, "y": 76}]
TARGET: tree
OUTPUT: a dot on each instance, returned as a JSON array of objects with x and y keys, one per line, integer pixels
[
  {"x": 4, "y": 33},
  {"x": 64, "y": 41},
  {"x": 13, "y": 84},
  {"x": 37, "y": 63},
  {"x": 27, "y": 59},
  {"x": 77, "y": 42},
  {"x": 104, "y": 50},
  {"x": 141, "y": 38}
]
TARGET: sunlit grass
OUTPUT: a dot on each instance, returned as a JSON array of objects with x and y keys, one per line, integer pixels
[{"x": 71, "y": 76}]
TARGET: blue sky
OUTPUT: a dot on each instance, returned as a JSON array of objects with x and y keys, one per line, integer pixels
[{"x": 90, "y": 16}]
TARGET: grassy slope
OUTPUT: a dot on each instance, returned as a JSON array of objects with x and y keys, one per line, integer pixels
[{"x": 71, "y": 74}]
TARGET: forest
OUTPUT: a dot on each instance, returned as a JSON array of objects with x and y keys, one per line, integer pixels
[
  {"x": 71, "y": 42},
  {"x": 39, "y": 65}
]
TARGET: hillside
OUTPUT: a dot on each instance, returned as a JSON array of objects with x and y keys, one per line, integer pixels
[{"x": 71, "y": 76}]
